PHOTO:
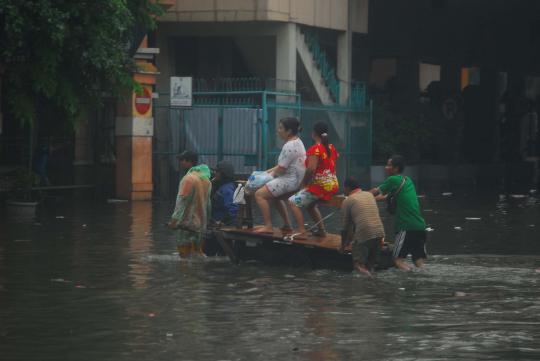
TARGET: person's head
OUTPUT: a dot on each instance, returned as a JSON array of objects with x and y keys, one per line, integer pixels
[
  {"x": 224, "y": 171},
  {"x": 351, "y": 183},
  {"x": 320, "y": 135},
  {"x": 288, "y": 127},
  {"x": 188, "y": 159},
  {"x": 395, "y": 165}
]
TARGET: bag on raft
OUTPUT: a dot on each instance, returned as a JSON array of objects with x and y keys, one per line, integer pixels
[{"x": 256, "y": 180}]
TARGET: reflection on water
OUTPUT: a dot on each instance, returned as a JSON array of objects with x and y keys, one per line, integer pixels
[{"x": 102, "y": 282}]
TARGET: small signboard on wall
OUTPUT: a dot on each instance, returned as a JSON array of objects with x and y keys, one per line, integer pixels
[{"x": 181, "y": 91}]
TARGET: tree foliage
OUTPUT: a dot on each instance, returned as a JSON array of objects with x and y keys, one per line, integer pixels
[{"x": 67, "y": 53}]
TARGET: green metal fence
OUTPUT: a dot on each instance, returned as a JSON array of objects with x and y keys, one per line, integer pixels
[{"x": 240, "y": 126}]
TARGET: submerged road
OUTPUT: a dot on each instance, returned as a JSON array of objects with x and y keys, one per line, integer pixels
[{"x": 102, "y": 282}]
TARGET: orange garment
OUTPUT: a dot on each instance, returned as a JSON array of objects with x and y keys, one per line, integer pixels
[
  {"x": 192, "y": 208},
  {"x": 325, "y": 183}
]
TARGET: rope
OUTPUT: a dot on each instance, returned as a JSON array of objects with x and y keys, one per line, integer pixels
[{"x": 290, "y": 237}]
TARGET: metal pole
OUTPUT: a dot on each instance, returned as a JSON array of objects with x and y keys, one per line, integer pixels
[
  {"x": 264, "y": 145},
  {"x": 220, "y": 134},
  {"x": 348, "y": 146},
  {"x": 370, "y": 134},
  {"x": 30, "y": 145}
]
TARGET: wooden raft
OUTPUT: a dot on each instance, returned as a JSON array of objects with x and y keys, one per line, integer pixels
[
  {"x": 244, "y": 228},
  {"x": 330, "y": 241},
  {"x": 242, "y": 243}
]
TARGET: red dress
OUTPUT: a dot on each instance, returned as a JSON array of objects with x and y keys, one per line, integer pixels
[{"x": 325, "y": 183}]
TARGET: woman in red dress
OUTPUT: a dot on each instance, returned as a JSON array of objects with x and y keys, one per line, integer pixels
[{"x": 320, "y": 181}]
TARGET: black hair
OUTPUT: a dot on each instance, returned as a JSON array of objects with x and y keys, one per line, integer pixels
[
  {"x": 189, "y": 156},
  {"x": 321, "y": 129},
  {"x": 292, "y": 124},
  {"x": 398, "y": 162},
  {"x": 352, "y": 183},
  {"x": 226, "y": 169}
]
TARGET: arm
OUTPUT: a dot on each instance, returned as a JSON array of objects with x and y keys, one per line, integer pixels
[
  {"x": 377, "y": 193},
  {"x": 286, "y": 157},
  {"x": 277, "y": 171},
  {"x": 388, "y": 186},
  {"x": 182, "y": 204},
  {"x": 313, "y": 162}
]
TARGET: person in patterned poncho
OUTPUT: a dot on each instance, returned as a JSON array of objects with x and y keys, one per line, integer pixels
[{"x": 193, "y": 206}]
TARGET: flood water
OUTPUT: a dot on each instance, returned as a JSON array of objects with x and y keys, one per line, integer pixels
[{"x": 87, "y": 281}]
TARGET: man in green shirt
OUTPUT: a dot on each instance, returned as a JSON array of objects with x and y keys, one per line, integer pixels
[{"x": 409, "y": 226}]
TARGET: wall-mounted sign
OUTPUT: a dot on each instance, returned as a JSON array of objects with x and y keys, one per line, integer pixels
[
  {"x": 181, "y": 91},
  {"x": 143, "y": 101}
]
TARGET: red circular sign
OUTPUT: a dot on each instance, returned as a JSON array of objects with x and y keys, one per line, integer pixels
[{"x": 143, "y": 101}]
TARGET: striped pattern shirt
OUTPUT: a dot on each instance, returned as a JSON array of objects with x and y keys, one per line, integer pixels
[{"x": 361, "y": 215}]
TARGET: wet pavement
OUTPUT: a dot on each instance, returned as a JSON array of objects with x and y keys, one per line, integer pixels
[{"x": 102, "y": 282}]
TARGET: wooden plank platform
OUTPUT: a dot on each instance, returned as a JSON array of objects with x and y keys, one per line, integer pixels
[
  {"x": 244, "y": 245},
  {"x": 330, "y": 242}
]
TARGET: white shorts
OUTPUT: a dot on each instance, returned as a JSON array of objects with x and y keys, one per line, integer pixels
[
  {"x": 282, "y": 185},
  {"x": 303, "y": 198}
]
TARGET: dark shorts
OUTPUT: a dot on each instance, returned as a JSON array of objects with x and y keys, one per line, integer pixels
[
  {"x": 410, "y": 242},
  {"x": 365, "y": 253}
]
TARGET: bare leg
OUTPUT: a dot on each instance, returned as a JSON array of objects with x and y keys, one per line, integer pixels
[
  {"x": 401, "y": 264},
  {"x": 362, "y": 269},
  {"x": 282, "y": 210},
  {"x": 313, "y": 211},
  {"x": 299, "y": 217},
  {"x": 184, "y": 250},
  {"x": 420, "y": 262},
  {"x": 263, "y": 197}
]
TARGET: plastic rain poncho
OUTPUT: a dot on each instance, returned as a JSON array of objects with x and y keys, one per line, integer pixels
[{"x": 193, "y": 205}]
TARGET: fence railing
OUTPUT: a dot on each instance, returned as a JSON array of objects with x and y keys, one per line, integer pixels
[
  {"x": 321, "y": 59},
  {"x": 243, "y": 84}
]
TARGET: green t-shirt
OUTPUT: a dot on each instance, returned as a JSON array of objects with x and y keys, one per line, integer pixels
[{"x": 408, "y": 217}]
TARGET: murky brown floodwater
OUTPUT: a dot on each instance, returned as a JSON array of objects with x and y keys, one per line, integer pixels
[{"x": 102, "y": 282}]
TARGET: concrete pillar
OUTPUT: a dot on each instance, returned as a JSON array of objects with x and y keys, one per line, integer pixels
[
  {"x": 134, "y": 131},
  {"x": 286, "y": 52},
  {"x": 285, "y": 70},
  {"x": 1, "y": 117},
  {"x": 164, "y": 62},
  {"x": 450, "y": 78},
  {"x": 344, "y": 59},
  {"x": 83, "y": 162},
  {"x": 344, "y": 65}
]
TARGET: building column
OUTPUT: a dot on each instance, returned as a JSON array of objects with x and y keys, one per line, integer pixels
[
  {"x": 134, "y": 131},
  {"x": 286, "y": 52},
  {"x": 344, "y": 59},
  {"x": 450, "y": 78},
  {"x": 344, "y": 65},
  {"x": 164, "y": 62},
  {"x": 285, "y": 70},
  {"x": 83, "y": 162},
  {"x": 1, "y": 117}
]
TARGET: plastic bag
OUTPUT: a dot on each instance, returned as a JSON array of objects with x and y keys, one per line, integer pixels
[
  {"x": 256, "y": 180},
  {"x": 239, "y": 195}
]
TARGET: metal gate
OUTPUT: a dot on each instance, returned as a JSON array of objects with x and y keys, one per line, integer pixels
[{"x": 240, "y": 126}]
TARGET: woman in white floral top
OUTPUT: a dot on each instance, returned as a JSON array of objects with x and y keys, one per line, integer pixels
[{"x": 288, "y": 175}]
